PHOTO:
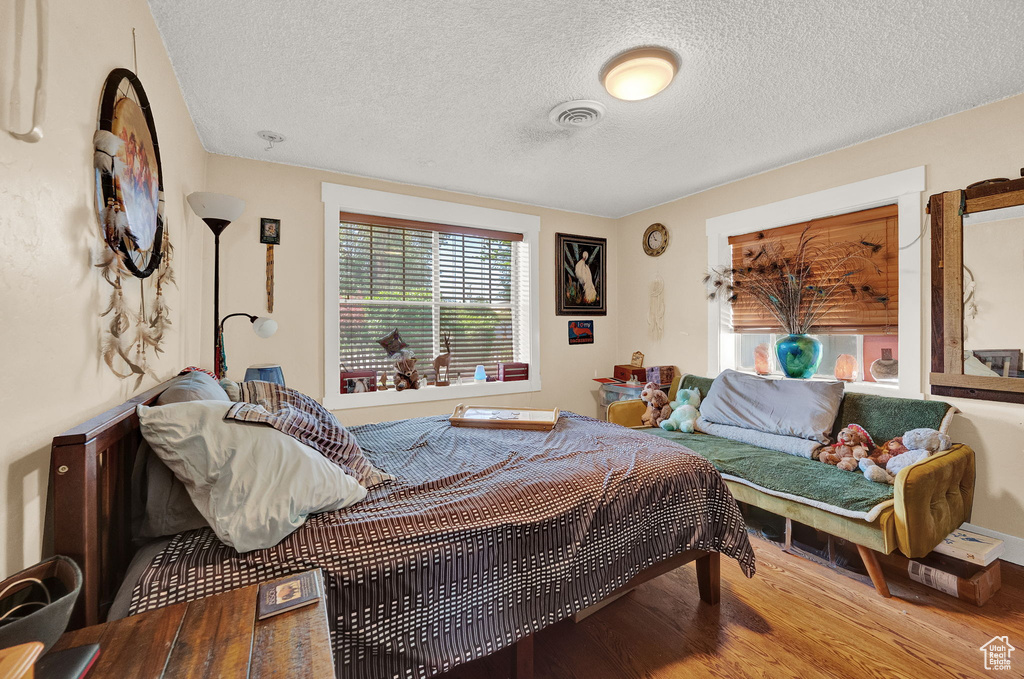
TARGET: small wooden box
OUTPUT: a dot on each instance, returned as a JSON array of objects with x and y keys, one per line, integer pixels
[
  {"x": 661, "y": 374},
  {"x": 625, "y": 372},
  {"x": 513, "y": 372}
]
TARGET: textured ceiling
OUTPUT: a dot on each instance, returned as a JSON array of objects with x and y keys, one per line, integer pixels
[{"x": 456, "y": 94}]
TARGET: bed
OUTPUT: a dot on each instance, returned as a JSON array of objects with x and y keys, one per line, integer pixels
[{"x": 485, "y": 538}]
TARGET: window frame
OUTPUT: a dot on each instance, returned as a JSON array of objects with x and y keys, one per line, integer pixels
[
  {"x": 338, "y": 198},
  {"x": 902, "y": 188}
]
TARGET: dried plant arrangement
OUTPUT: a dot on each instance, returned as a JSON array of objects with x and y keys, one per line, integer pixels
[{"x": 798, "y": 285}]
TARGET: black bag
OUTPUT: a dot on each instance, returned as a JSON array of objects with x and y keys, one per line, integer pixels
[{"x": 36, "y": 603}]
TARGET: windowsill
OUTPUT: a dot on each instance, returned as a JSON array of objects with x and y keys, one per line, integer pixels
[{"x": 453, "y": 392}]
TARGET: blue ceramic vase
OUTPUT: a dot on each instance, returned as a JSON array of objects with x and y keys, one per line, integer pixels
[{"x": 799, "y": 355}]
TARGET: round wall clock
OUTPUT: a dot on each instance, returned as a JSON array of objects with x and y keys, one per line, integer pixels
[{"x": 655, "y": 239}]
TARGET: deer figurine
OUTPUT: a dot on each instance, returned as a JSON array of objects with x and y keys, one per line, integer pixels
[{"x": 442, "y": 361}]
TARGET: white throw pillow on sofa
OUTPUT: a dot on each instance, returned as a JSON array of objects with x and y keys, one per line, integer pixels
[{"x": 253, "y": 484}]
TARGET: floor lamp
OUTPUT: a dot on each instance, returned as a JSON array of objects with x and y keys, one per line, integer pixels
[{"x": 217, "y": 210}]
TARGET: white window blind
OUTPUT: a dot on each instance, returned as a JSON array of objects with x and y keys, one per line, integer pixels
[{"x": 427, "y": 280}]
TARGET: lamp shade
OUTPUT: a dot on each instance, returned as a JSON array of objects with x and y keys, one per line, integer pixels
[
  {"x": 217, "y": 206},
  {"x": 639, "y": 74},
  {"x": 269, "y": 372},
  {"x": 264, "y": 327}
]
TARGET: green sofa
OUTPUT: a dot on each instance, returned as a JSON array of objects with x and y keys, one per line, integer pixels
[{"x": 928, "y": 501}]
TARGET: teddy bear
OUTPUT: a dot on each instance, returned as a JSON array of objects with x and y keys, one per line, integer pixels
[
  {"x": 684, "y": 411},
  {"x": 902, "y": 451},
  {"x": 921, "y": 444},
  {"x": 658, "y": 407},
  {"x": 888, "y": 450},
  {"x": 852, "y": 444}
]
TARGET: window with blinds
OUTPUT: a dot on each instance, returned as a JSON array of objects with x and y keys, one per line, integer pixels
[
  {"x": 852, "y": 317},
  {"x": 429, "y": 280}
]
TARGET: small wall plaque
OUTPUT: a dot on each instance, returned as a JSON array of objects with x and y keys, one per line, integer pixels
[{"x": 581, "y": 332}]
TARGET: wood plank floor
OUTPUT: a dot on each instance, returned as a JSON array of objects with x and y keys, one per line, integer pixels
[{"x": 793, "y": 619}]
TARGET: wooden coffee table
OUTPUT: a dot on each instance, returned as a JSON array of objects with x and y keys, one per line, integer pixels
[{"x": 218, "y": 636}]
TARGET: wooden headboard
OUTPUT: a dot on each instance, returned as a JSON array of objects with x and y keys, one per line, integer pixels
[{"x": 90, "y": 478}]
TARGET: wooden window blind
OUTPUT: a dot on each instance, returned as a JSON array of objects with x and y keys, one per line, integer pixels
[
  {"x": 852, "y": 317},
  {"x": 428, "y": 279}
]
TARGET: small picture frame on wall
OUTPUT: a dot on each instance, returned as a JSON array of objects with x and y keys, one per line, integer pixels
[
  {"x": 581, "y": 332},
  {"x": 580, "y": 274},
  {"x": 270, "y": 231}
]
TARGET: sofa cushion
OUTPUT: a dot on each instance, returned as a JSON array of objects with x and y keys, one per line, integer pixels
[
  {"x": 796, "y": 478},
  {"x": 801, "y": 408},
  {"x": 886, "y": 417}
]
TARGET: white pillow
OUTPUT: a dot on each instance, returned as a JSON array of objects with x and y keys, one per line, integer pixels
[{"x": 253, "y": 484}]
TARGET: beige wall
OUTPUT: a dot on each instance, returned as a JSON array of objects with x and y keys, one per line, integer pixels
[
  {"x": 958, "y": 150},
  {"x": 292, "y": 194},
  {"x": 49, "y": 294}
]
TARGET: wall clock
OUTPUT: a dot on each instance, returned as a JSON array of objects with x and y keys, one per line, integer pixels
[{"x": 655, "y": 239}]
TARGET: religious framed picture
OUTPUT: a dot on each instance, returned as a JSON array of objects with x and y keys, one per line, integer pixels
[
  {"x": 270, "y": 231},
  {"x": 580, "y": 275}
]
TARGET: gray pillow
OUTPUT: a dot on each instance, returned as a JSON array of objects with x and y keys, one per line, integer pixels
[
  {"x": 160, "y": 504},
  {"x": 192, "y": 386},
  {"x": 802, "y": 408},
  {"x": 252, "y": 483}
]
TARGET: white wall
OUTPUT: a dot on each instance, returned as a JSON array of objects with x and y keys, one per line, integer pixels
[
  {"x": 50, "y": 295},
  {"x": 957, "y": 150}
]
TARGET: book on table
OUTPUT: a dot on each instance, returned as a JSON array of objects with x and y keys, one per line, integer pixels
[{"x": 289, "y": 593}]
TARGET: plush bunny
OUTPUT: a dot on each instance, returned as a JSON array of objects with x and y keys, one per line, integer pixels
[
  {"x": 926, "y": 439},
  {"x": 874, "y": 472}
]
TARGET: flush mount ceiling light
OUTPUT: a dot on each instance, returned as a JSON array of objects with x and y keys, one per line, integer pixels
[{"x": 639, "y": 73}]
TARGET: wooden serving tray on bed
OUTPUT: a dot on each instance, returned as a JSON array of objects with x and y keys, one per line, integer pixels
[{"x": 490, "y": 417}]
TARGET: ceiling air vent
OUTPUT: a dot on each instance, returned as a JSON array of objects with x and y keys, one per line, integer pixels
[{"x": 576, "y": 114}]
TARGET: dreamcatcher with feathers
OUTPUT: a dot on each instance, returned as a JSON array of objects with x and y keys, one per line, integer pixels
[{"x": 129, "y": 193}]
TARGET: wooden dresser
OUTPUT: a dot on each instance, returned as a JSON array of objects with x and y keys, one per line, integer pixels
[{"x": 218, "y": 636}]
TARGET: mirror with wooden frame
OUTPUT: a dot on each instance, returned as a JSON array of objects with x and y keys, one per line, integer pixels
[{"x": 977, "y": 288}]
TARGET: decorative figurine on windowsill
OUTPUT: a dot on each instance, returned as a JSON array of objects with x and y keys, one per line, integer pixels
[
  {"x": 443, "y": 361},
  {"x": 406, "y": 375}
]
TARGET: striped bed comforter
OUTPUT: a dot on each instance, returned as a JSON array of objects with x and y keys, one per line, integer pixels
[{"x": 484, "y": 537}]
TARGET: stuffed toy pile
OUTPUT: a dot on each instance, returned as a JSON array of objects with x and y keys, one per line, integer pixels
[
  {"x": 855, "y": 450},
  {"x": 684, "y": 411},
  {"x": 658, "y": 408}
]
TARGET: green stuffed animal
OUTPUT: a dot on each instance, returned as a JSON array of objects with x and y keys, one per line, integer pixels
[{"x": 684, "y": 411}]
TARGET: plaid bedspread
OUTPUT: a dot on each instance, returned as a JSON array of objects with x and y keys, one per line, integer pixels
[{"x": 486, "y": 536}]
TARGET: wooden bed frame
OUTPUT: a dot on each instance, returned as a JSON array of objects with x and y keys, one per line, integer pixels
[{"x": 90, "y": 477}]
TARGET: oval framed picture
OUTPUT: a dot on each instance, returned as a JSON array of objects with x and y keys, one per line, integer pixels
[
  {"x": 130, "y": 188},
  {"x": 655, "y": 239}
]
